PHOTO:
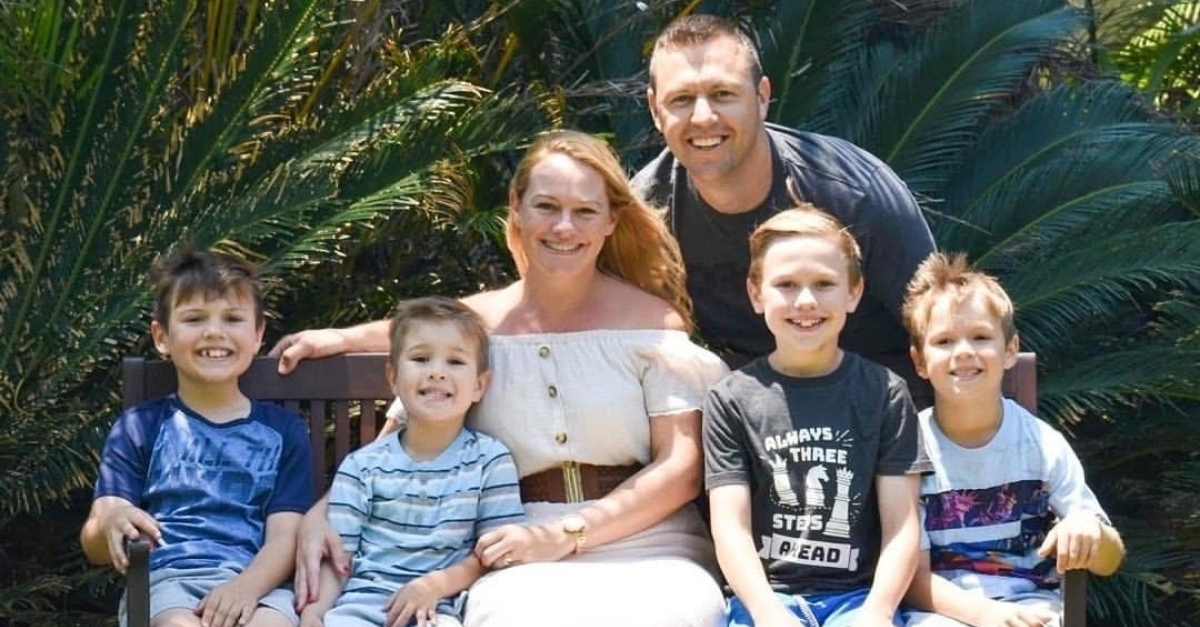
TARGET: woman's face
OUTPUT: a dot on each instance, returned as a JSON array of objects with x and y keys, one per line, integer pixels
[{"x": 564, "y": 217}]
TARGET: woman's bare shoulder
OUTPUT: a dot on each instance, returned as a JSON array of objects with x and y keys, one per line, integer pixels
[
  {"x": 492, "y": 306},
  {"x": 630, "y": 307}
]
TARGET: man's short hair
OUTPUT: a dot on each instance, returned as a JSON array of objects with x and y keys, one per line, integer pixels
[{"x": 702, "y": 28}]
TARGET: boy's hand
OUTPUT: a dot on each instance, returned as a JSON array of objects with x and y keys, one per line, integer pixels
[
  {"x": 127, "y": 522},
  {"x": 415, "y": 600},
  {"x": 1076, "y": 539},
  {"x": 227, "y": 605},
  {"x": 1003, "y": 614}
]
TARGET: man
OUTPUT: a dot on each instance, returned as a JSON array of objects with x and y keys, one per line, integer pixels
[{"x": 726, "y": 170}]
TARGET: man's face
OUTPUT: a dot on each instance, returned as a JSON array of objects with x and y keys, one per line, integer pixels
[{"x": 708, "y": 107}]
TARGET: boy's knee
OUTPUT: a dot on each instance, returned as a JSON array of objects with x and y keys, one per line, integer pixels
[
  {"x": 175, "y": 618},
  {"x": 269, "y": 617},
  {"x": 928, "y": 619}
]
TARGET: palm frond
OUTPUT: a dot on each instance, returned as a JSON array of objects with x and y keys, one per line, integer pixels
[
  {"x": 938, "y": 93},
  {"x": 800, "y": 43},
  {"x": 1061, "y": 290}
]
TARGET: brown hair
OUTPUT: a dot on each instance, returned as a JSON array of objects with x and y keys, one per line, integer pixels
[
  {"x": 803, "y": 220},
  {"x": 640, "y": 250},
  {"x": 185, "y": 272},
  {"x": 945, "y": 275},
  {"x": 701, "y": 28},
  {"x": 410, "y": 313}
]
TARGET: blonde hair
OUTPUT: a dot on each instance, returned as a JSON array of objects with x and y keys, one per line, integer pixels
[
  {"x": 641, "y": 250},
  {"x": 945, "y": 275},
  {"x": 803, "y": 220}
]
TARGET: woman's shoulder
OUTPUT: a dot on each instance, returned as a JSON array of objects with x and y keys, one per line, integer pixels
[
  {"x": 630, "y": 307},
  {"x": 492, "y": 305}
]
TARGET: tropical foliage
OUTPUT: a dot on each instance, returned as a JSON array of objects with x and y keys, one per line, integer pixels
[
  {"x": 360, "y": 151},
  {"x": 129, "y": 127}
]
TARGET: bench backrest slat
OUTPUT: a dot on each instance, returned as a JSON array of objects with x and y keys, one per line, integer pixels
[{"x": 332, "y": 394}]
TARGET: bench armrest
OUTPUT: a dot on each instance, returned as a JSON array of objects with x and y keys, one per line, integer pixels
[
  {"x": 137, "y": 583},
  {"x": 1074, "y": 595}
]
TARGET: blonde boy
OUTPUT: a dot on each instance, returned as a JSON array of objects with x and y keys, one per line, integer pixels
[
  {"x": 1001, "y": 475},
  {"x": 811, "y": 452}
]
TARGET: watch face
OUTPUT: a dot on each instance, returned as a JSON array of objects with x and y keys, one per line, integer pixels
[{"x": 573, "y": 523}]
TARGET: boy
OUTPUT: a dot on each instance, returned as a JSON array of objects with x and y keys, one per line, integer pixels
[
  {"x": 409, "y": 507},
  {"x": 812, "y": 452},
  {"x": 217, "y": 481},
  {"x": 1001, "y": 475}
]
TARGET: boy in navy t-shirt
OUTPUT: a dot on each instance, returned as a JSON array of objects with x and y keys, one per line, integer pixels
[{"x": 219, "y": 482}]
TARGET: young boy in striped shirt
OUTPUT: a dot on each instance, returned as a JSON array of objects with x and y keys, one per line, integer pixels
[{"x": 410, "y": 507}]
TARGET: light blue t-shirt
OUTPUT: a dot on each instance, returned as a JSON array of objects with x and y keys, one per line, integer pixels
[{"x": 401, "y": 518}]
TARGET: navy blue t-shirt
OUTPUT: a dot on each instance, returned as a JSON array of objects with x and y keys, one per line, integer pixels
[{"x": 210, "y": 486}]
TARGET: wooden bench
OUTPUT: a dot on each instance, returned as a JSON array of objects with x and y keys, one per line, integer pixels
[{"x": 344, "y": 398}]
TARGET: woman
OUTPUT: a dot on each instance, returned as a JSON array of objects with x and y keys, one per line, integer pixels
[{"x": 596, "y": 391}]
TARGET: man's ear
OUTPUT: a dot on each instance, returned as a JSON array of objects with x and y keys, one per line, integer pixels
[
  {"x": 653, "y": 109},
  {"x": 764, "y": 97},
  {"x": 918, "y": 360}
]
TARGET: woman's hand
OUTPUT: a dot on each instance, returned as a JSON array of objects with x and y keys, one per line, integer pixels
[
  {"x": 519, "y": 544},
  {"x": 309, "y": 344}
]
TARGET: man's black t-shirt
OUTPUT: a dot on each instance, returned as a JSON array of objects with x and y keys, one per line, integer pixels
[{"x": 833, "y": 175}]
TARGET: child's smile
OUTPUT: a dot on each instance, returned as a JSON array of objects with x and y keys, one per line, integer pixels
[{"x": 804, "y": 295}]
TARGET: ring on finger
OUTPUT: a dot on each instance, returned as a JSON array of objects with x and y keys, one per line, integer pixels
[{"x": 507, "y": 561}]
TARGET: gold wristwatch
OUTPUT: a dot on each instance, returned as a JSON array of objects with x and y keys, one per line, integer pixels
[{"x": 575, "y": 525}]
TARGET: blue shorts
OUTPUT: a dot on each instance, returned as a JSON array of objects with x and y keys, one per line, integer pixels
[
  {"x": 365, "y": 609},
  {"x": 175, "y": 589},
  {"x": 837, "y": 609}
]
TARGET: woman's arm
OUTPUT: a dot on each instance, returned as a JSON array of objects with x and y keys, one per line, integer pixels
[
  {"x": 667, "y": 483},
  {"x": 313, "y": 343},
  {"x": 671, "y": 480}
]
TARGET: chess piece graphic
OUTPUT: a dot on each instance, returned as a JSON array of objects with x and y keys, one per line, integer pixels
[
  {"x": 839, "y": 519},
  {"x": 814, "y": 488},
  {"x": 783, "y": 484}
]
